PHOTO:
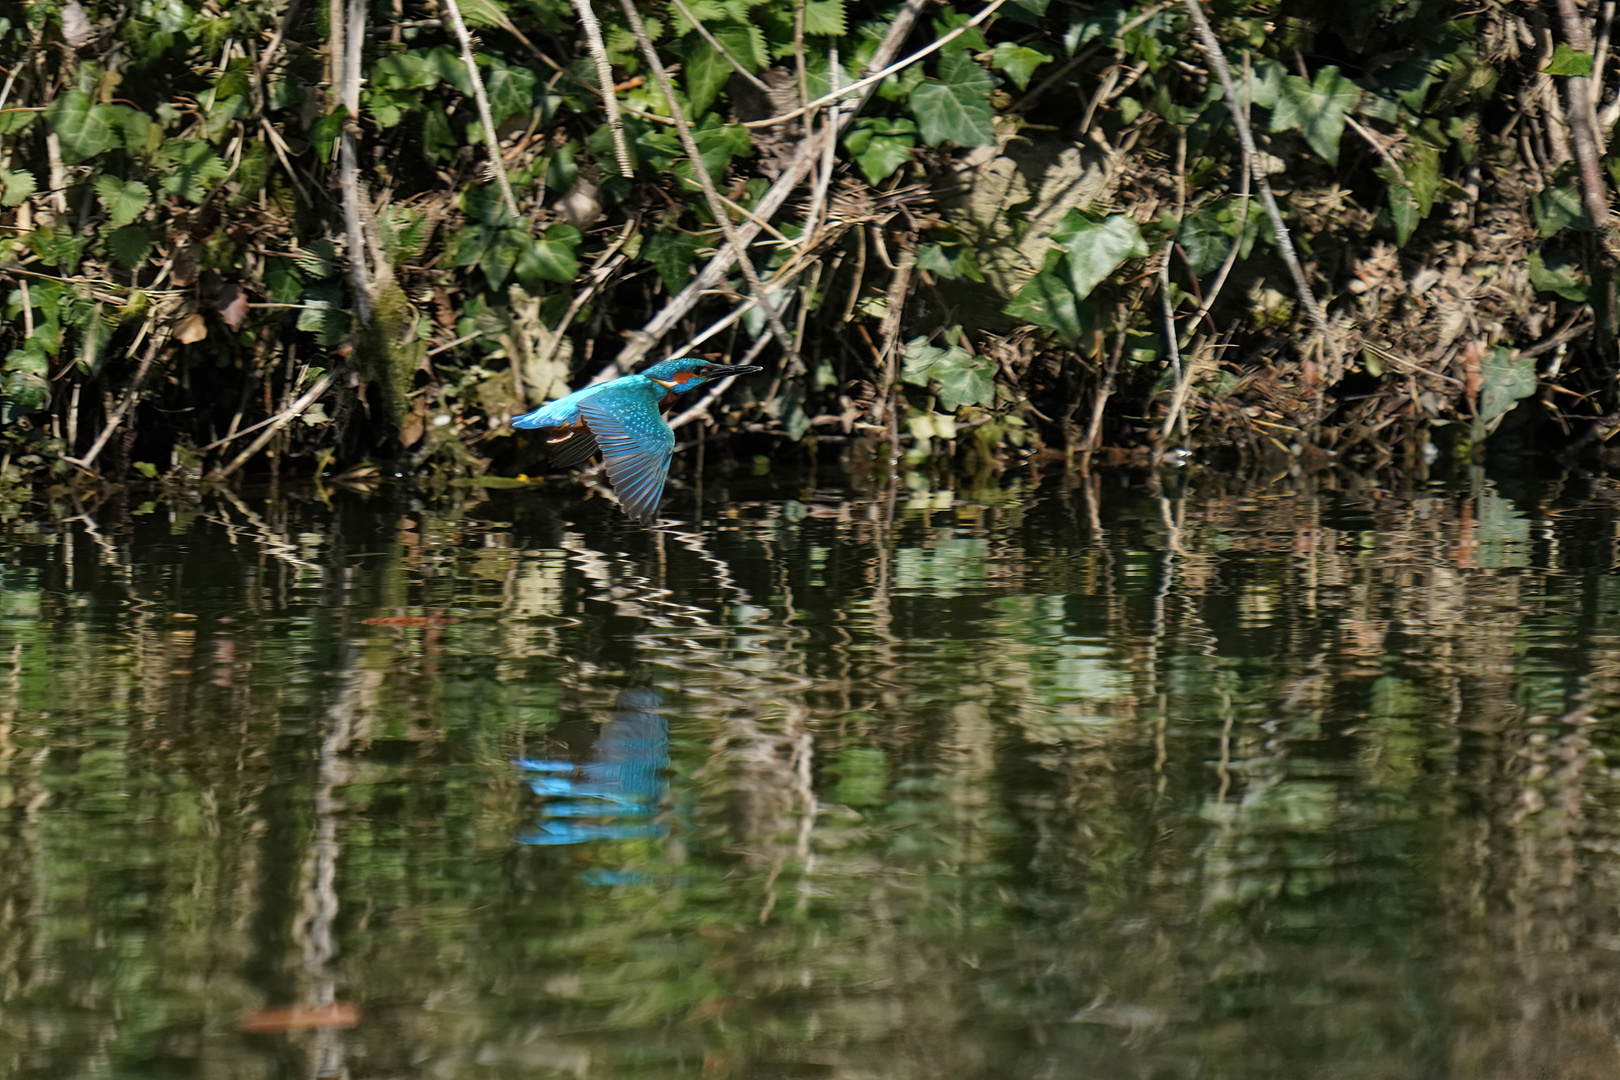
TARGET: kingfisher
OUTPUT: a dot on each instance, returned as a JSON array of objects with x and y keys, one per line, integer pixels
[{"x": 625, "y": 420}]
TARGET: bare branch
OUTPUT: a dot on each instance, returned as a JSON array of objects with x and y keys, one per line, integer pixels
[
  {"x": 604, "y": 76},
  {"x": 492, "y": 144}
]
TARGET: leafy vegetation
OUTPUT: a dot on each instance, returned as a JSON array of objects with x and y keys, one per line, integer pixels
[{"x": 1040, "y": 223}]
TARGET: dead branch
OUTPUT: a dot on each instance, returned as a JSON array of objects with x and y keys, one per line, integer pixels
[
  {"x": 604, "y": 77},
  {"x": 492, "y": 144}
]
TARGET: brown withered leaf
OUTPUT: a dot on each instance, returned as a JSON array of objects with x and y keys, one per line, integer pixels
[{"x": 192, "y": 329}]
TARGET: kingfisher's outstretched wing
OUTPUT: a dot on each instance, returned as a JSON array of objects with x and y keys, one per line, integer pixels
[
  {"x": 636, "y": 447},
  {"x": 570, "y": 448}
]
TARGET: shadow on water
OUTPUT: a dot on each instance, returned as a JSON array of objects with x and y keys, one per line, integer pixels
[{"x": 1076, "y": 776}]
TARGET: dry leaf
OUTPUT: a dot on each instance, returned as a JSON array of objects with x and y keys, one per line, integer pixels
[{"x": 192, "y": 329}]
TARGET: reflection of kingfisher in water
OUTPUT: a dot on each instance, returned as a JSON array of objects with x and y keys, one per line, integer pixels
[{"x": 614, "y": 795}]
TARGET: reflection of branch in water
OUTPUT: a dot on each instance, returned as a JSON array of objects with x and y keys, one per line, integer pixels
[{"x": 273, "y": 542}]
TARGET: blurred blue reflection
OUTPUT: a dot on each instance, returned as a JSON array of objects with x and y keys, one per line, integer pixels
[{"x": 611, "y": 796}]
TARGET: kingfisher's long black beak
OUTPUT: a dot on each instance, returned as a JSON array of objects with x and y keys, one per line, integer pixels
[{"x": 725, "y": 371}]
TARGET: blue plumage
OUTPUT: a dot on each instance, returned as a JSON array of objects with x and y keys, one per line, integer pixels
[{"x": 624, "y": 419}]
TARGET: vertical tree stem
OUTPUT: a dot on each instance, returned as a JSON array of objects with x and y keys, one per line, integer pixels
[
  {"x": 492, "y": 144},
  {"x": 604, "y": 77}
]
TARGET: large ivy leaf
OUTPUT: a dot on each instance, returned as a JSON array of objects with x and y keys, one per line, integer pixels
[
  {"x": 510, "y": 91},
  {"x": 1018, "y": 61},
  {"x": 705, "y": 72},
  {"x": 1096, "y": 249},
  {"x": 1410, "y": 201},
  {"x": 880, "y": 145},
  {"x": 1317, "y": 109},
  {"x": 964, "y": 379},
  {"x": 1507, "y": 379},
  {"x": 82, "y": 129},
  {"x": 672, "y": 253},
  {"x": 1567, "y": 61},
  {"x": 123, "y": 201},
  {"x": 955, "y": 107},
  {"x": 718, "y": 145},
  {"x": 1047, "y": 301},
  {"x": 551, "y": 258},
  {"x": 1550, "y": 273}
]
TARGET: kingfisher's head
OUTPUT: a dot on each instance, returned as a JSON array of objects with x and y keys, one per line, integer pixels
[{"x": 686, "y": 372}]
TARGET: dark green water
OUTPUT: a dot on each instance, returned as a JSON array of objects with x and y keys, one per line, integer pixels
[{"x": 1072, "y": 780}]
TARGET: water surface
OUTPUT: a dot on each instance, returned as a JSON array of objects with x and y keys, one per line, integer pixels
[{"x": 1062, "y": 777}]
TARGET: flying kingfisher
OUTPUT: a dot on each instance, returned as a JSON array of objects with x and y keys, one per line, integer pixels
[{"x": 624, "y": 418}]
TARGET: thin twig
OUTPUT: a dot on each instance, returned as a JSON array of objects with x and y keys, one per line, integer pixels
[
  {"x": 706, "y": 183},
  {"x": 492, "y": 144},
  {"x": 281, "y": 420},
  {"x": 124, "y": 406},
  {"x": 604, "y": 77},
  {"x": 1105, "y": 388},
  {"x": 1251, "y": 160},
  {"x": 641, "y": 342}
]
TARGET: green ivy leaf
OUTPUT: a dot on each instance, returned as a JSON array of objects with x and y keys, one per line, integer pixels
[
  {"x": 1047, "y": 301},
  {"x": 24, "y": 387},
  {"x": 705, "y": 74},
  {"x": 718, "y": 145},
  {"x": 1566, "y": 61},
  {"x": 1550, "y": 273},
  {"x": 964, "y": 379},
  {"x": 1018, "y": 61},
  {"x": 510, "y": 90},
  {"x": 123, "y": 201},
  {"x": 15, "y": 186},
  {"x": 1410, "y": 202},
  {"x": 83, "y": 130},
  {"x": 956, "y": 262},
  {"x": 1317, "y": 109},
  {"x": 1556, "y": 208},
  {"x": 955, "y": 107},
  {"x": 880, "y": 146},
  {"x": 1096, "y": 249},
  {"x": 551, "y": 258},
  {"x": 1506, "y": 379},
  {"x": 672, "y": 253}
]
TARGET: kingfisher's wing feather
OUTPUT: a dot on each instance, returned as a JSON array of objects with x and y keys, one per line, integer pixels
[
  {"x": 636, "y": 446},
  {"x": 567, "y": 452}
]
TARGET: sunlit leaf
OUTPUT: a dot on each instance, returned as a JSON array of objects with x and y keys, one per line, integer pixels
[
  {"x": 15, "y": 186},
  {"x": 1556, "y": 208},
  {"x": 1317, "y": 109},
  {"x": 1551, "y": 273},
  {"x": 123, "y": 201},
  {"x": 824, "y": 17},
  {"x": 964, "y": 378},
  {"x": 1047, "y": 301},
  {"x": 193, "y": 170},
  {"x": 323, "y": 314},
  {"x": 1566, "y": 61},
  {"x": 551, "y": 258},
  {"x": 705, "y": 74},
  {"x": 1018, "y": 61},
  {"x": 1096, "y": 249},
  {"x": 83, "y": 129},
  {"x": 880, "y": 145},
  {"x": 1506, "y": 379},
  {"x": 955, "y": 107}
]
